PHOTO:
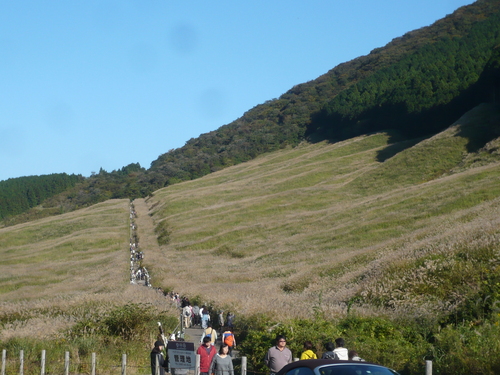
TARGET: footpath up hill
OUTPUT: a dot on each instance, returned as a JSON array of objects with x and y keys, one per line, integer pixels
[{"x": 330, "y": 224}]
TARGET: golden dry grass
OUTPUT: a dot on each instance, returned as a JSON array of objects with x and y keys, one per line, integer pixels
[
  {"x": 55, "y": 270},
  {"x": 319, "y": 222}
]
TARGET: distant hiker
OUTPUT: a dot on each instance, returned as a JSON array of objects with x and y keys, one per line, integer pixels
[
  {"x": 339, "y": 350},
  {"x": 205, "y": 318},
  {"x": 157, "y": 356},
  {"x": 278, "y": 356},
  {"x": 209, "y": 332},
  {"x": 329, "y": 354},
  {"x": 196, "y": 315},
  {"x": 186, "y": 315},
  {"x": 230, "y": 320},
  {"x": 308, "y": 353},
  {"x": 228, "y": 339},
  {"x": 207, "y": 352},
  {"x": 222, "y": 364},
  {"x": 221, "y": 321}
]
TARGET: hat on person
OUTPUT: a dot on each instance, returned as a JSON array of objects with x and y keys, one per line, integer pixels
[{"x": 159, "y": 343}]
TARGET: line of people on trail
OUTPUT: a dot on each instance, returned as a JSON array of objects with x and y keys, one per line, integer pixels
[
  {"x": 137, "y": 271},
  {"x": 279, "y": 355},
  {"x": 195, "y": 315}
]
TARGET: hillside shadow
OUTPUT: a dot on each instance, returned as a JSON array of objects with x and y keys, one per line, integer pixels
[
  {"x": 395, "y": 148},
  {"x": 481, "y": 126},
  {"x": 408, "y": 128}
]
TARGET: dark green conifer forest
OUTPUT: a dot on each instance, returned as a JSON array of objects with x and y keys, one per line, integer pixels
[{"x": 18, "y": 195}]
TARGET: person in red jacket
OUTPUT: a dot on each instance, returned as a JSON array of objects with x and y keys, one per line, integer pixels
[{"x": 206, "y": 352}]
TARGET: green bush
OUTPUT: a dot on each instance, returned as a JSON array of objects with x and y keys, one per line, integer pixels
[{"x": 162, "y": 232}]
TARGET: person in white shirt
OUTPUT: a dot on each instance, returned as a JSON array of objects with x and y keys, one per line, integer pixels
[{"x": 341, "y": 352}]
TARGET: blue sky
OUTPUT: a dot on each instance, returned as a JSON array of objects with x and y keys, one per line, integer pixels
[{"x": 87, "y": 84}]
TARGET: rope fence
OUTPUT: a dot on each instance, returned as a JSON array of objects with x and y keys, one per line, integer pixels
[{"x": 67, "y": 367}]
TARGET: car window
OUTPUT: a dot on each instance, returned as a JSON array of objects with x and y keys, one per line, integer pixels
[
  {"x": 355, "y": 369},
  {"x": 300, "y": 371}
]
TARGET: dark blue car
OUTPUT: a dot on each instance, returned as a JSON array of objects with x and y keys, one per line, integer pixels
[{"x": 334, "y": 367}]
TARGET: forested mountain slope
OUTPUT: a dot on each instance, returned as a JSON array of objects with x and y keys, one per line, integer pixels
[
  {"x": 20, "y": 194},
  {"x": 418, "y": 83}
]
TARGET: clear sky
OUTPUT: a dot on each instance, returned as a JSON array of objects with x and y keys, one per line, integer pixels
[{"x": 86, "y": 84}]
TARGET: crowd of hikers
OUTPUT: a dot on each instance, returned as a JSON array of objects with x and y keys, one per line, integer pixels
[
  {"x": 220, "y": 333},
  {"x": 138, "y": 273},
  {"x": 212, "y": 361}
]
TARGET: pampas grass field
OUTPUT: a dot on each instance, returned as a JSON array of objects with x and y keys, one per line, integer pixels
[
  {"x": 324, "y": 223},
  {"x": 55, "y": 270}
]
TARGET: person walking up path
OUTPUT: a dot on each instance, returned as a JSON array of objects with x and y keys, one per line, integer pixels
[
  {"x": 207, "y": 352},
  {"x": 278, "y": 356}
]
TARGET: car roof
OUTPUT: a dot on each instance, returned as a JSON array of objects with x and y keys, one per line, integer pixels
[{"x": 313, "y": 363}]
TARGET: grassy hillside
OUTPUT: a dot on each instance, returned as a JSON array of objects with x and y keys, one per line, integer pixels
[
  {"x": 64, "y": 286},
  {"x": 275, "y": 233},
  {"x": 55, "y": 271}
]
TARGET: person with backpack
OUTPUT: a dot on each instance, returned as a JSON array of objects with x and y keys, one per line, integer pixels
[
  {"x": 229, "y": 340},
  {"x": 186, "y": 314},
  {"x": 329, "y": 354},
  {"x": 209, "y": 332}
]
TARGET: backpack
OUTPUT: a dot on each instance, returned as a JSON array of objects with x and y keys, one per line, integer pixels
[
  {"x": 229, "y": 339},
  {"x": 329, "y": 355},
  {"x": 209, "y": 334}
]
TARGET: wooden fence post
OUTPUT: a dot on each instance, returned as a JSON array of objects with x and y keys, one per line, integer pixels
[
  {"x": 4, "y": 359},
  {"x": 42, "y": 363},
  {"x": 243, "y": 365},
  {"x": 21, "y": 362},
  {"x": 124, "y": 364},
  {"x": 197, "y": 368},
  {"x": 93, "y": 364},
  {"x": 428, "y": 367},
  {"x": 66, "y": 363}
]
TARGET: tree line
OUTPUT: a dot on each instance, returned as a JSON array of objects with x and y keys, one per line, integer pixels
[{"x": 18, "y": 195}]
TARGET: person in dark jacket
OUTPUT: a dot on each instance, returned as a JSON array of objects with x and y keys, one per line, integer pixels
[{"x": 157, "y": 354}]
